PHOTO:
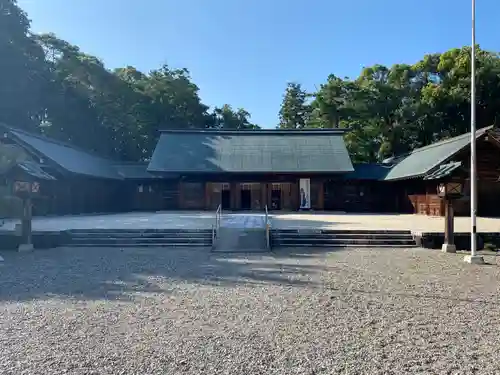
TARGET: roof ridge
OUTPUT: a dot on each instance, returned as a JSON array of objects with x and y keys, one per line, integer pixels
[{"x": 317, "y": 131}]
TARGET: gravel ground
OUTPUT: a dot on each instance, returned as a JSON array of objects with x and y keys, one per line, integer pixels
[{"x": 159, "y": 311}]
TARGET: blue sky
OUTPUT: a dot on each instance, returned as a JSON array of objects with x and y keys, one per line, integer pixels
[{"x": 244, "y": 52}]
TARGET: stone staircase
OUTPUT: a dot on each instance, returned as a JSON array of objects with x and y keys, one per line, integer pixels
[
  {"x": 341, "y": 238},
  {"x": 237, "y": 240},
  {"x": 241, "y": 233},
  {"x": 140, "y": 237}
]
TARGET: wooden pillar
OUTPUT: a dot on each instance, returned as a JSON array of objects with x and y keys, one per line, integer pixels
[
  {"x": 208, "y": 195},
  {"x": 321, "y": 196},
  {"x": 181, "y": 196},
  {"x": 26, "y": 234},
  {"x": 235, "y": 195},
  {"x": 449, "y": 219},
  {"x": 269, "y": 195},
  {"x": 263, "y": 194},
  {"x": 285, "y": 196},
  {"x": 294, "y": 196}
]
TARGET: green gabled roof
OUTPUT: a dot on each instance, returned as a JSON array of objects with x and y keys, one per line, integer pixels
[
  {"x": 423, "y": 160},
  {"x": 368, "y": 172},
  {"x": 255, "y": 151},
  {"x": 68, "y": 157}
]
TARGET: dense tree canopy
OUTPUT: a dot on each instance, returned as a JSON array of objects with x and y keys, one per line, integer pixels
[
  {"x": 51, "y": 86},
  {"x": 394, "y": 110}
]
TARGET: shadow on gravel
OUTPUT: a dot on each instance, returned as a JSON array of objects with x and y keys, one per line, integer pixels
[
  {"x": 420, "y": 296},
  {"x": 109, "y": 273},
  {"x": 306, "y": 252}
]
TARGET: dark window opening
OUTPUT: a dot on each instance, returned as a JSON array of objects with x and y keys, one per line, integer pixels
[
  {"x": 246, "y": 199},
  {"x": 226, "y": 199},
  {"x": 276, "y": 199}
]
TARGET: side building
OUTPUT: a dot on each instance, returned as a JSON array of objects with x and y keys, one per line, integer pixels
[{"x": 71, "y": 180}]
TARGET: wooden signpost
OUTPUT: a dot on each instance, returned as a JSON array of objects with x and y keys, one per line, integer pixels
[
  {"x": 26, "y": 190},
  {"x": 449, "y": 191}
]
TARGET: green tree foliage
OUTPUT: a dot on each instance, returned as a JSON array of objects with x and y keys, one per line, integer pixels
[
  {"x": 22, "y": 69},
  {"x": 294, "y": 111},
  {"x": 394, "y": 110},
  {"x": 226, "y": 118},
  {"x": 51, "y": 86}
]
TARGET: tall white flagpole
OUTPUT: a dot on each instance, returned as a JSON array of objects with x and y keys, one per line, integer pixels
[{"x": 473, "y": 258}]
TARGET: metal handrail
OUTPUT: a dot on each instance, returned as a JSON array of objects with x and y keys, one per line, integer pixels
[
  {"x": 268, "y": 230},
  {"x": 215, "y": 228}
]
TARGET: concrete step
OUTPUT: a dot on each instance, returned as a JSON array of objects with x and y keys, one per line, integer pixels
[
  {"x": 398, "y": 246},
  {"x": 172, "y": 236},
  {"x": 110, "y": 240},
  {"x": 240, "y": 251},
  {"x": 172, "y": 231},
  {"x": 139, "y": 244},
  {"x": 139, "y": 238},
  {"x": 341, "y": 238},
  {"x": 342, "y": 235},
  {"x": 341, "y": 231},
  {"x": 336, "y": 239},
  {"x": 326, "y": 242},
  {"x": 240, "y": 240}
]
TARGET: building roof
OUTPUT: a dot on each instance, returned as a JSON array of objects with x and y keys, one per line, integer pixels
[
  {"x": 135, "y": 171},
  {"x": 68, "y": 157},
  {"x": 368, "y": 171},
  {"x": 423, "y": 160},
  {"x": 258, "y": 151},
  {"x": 444, "y": 170},
  {"x": 35, "y": 170}
]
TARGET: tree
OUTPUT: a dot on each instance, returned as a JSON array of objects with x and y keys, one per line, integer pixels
[
  {"x": 22, "y": 69},
  {"x": 393, "y": 110},
  {"x": 294, "y": 110},
  {"x": 226, "y": 118}
]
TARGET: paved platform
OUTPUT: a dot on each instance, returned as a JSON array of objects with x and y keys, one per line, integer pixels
[
  {"x": 132, "y": 220},
  {"x": 205, "y": 220},
  {"x": 414, "y": 223}
]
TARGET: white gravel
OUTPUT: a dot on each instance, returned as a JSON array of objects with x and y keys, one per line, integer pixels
[{"x": 160, "y": 311}]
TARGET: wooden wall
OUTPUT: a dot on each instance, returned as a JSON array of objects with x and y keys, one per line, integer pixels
[
  {"x": 356, "y": 196},
  {"x": 208, "y": 195},
  {"x": 488, "y": 172}
]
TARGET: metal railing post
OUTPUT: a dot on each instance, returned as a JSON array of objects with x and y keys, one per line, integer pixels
[{"x": 268, "y": 230}]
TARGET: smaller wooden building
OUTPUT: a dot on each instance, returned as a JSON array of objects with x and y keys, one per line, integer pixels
[
  {"x": 415, "y": 176},
  {"x": 81, "y": 182}
]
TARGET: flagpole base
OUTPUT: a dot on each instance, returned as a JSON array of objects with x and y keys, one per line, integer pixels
[
  {"x": 448, "y": 248},
  {"x": 23, "y": 248},
  {"x": 474, "y": 259}
]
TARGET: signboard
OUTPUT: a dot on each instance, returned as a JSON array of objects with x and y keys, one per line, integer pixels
[
  {"x": 22, "y": 186},
  {"x": 35, "y": 187},
  {"x": 305, "y": 193},
  {"x": 26, "y": 189}
]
